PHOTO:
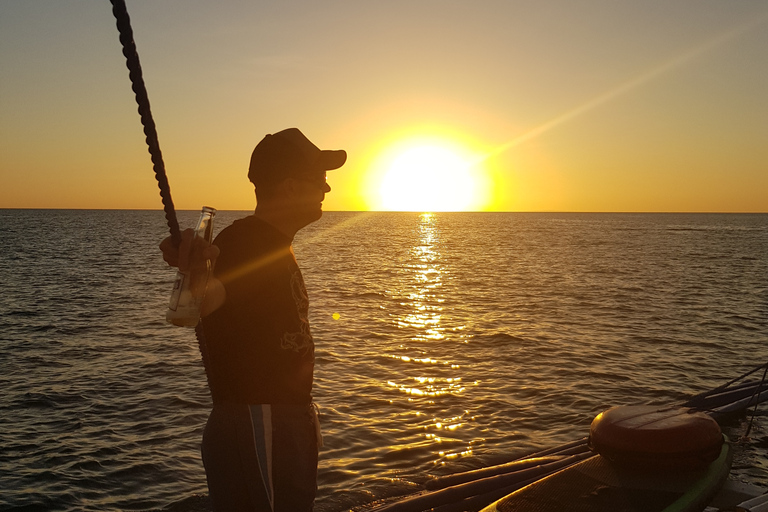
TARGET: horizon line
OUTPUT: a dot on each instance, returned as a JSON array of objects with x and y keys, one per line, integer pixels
[{"x": 705, "y": 212}]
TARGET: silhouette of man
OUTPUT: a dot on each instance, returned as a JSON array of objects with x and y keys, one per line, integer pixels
[{"x": 261, "y": 440}]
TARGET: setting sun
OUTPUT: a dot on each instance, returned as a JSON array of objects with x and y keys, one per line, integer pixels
[
  {"x": 428, "y": 175},
  {"x": 428, "y": 178}
]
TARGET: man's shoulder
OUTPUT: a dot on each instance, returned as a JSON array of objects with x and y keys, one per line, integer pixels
[
  {"x": 249, "y": 237},
  {"x": 239, "y": 231},
  {"x": 251, "y": 225}
]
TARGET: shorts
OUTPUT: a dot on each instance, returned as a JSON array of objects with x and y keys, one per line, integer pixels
[{"x": 261, "y": 458}]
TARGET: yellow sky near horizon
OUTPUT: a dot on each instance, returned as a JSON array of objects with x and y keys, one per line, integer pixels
[{"x": 601, "y": 106}]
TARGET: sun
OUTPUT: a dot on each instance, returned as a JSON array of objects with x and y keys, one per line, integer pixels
[{"x": 428, "y": 177}]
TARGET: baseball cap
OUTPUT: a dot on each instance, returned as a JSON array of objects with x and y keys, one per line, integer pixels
[{"x": 289, "y": 153}]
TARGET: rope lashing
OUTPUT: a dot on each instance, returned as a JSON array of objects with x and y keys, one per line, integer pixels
[{"x": 137, "y": 84}]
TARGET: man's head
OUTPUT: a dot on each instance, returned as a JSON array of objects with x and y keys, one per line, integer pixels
[
  {"x": 289, "y": 154},
  {"x": 288, "y": 172}
]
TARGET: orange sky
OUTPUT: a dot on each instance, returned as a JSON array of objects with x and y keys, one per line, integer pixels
[{"x": 560, "y": 106}]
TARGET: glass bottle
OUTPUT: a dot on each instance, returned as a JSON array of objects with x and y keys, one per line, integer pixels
[{"x": 189, "y": 288}]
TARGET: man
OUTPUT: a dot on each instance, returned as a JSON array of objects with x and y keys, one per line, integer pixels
[{"x": 260, "y": 443}]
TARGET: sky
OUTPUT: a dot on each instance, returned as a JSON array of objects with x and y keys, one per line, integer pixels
[{"x": 501, "y": 105}]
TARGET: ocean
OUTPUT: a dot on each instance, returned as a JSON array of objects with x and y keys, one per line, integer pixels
[{"x": 444, "y": 342}]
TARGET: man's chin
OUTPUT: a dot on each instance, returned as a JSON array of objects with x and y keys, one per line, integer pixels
[{"x": 315, "y": 214}]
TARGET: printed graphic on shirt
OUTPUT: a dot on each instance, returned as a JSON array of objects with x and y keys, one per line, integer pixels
[{"x": 300, "y": 341}]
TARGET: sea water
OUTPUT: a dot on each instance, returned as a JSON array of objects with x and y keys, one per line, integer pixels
[{"x": 444, "y": 342}]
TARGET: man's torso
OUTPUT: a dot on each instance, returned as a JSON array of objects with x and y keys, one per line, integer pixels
[{"x": 259, "y": 348}]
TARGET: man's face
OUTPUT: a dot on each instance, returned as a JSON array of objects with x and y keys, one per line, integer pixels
[{"x": 309, "y": 191}]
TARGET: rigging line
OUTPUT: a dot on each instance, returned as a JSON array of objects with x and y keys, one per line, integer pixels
[
  {"x": 137, "y": 84},
  {"x": 693, "y": 400},
  {"x": 757, "y": 402}
]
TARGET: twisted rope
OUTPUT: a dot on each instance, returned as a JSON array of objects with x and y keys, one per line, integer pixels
[{"x": 137, "y": 84}]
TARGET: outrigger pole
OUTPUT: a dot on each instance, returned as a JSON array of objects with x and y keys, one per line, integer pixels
[{"x": 137, "y": 84}]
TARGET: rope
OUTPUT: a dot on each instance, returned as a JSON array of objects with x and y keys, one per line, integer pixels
[
  {"x": 137, "y": 84},
  {"x": 757, "y": 402},
  {"x": 695, "y": 400},
  {"x": 153, "y": 145}
]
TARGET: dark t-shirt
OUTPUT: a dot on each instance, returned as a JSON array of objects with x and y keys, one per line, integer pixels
[{"x": 259, "y": 349}]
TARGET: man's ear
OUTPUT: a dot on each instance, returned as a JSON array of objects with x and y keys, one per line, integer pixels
[{"x": 289, "y": 187}]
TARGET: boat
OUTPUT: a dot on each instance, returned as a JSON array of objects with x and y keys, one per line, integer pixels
[{"x": 670, "y": 458}]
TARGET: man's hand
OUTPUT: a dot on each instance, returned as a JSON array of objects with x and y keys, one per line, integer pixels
[
  {"x": 193, "y": 254},
  {"x": 186, "y": 257}
]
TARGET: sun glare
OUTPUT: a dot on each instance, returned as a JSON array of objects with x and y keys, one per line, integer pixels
[{"x": 430, "y": 178}]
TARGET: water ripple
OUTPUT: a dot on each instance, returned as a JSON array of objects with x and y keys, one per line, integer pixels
[{"x": 444, "y": 342}]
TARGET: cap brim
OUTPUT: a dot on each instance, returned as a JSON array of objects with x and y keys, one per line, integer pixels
[{"x": 330, "y": 159}]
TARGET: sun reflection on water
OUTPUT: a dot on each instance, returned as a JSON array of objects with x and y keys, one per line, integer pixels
[
  {"x": 425, "y": 273},
  {"x": 423, "y": 375}
]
